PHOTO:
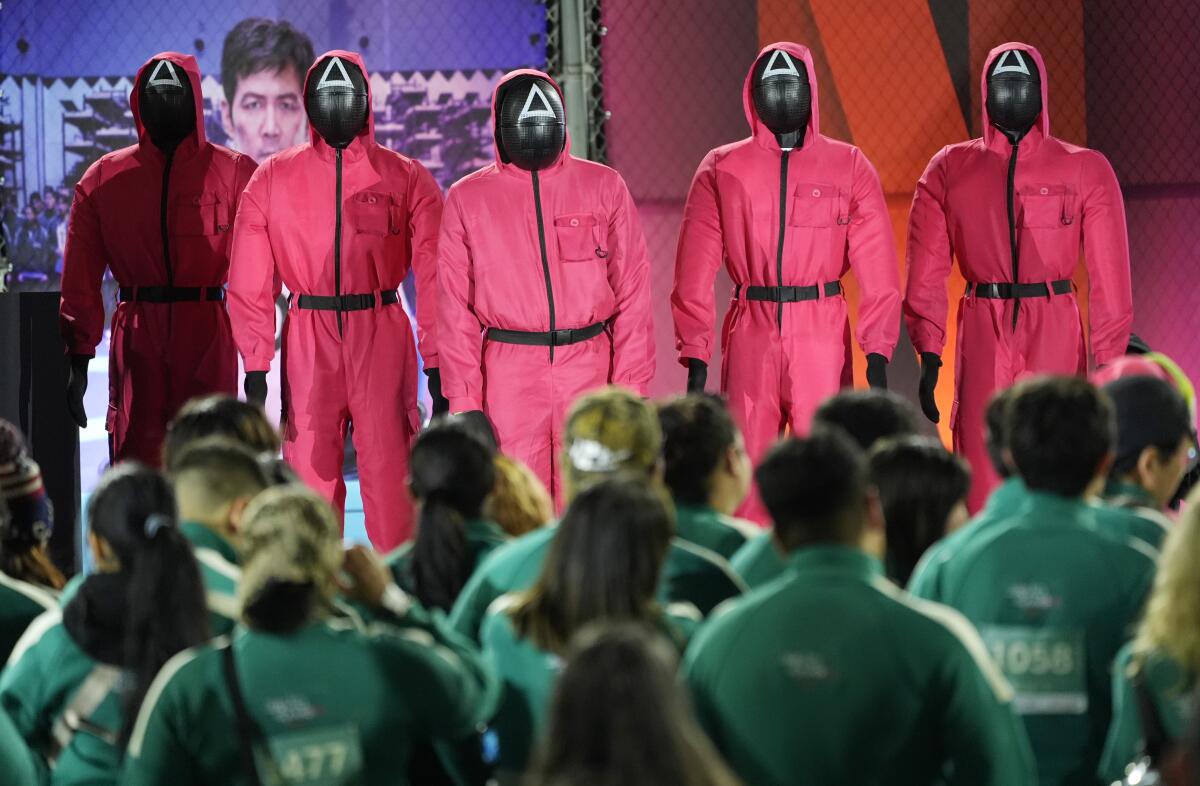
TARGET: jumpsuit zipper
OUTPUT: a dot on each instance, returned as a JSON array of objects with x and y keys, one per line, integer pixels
[
  {"x": 783, "y": 179},
  {"x": 1012, "y": 233},
  {"x": 337, "y": 241},
  {"x": 541, "y": 227},
  {"x": 166, "y": 237}
]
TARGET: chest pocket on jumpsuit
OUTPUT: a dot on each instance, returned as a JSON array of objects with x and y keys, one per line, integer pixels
[
  {"x": 1047, "y": 207},
  {"x": 818, "y": 205},
  {"x": 197, "y": 215},
  {"x": 578, "y": 237},
  {"x": 377, "y": 219}
]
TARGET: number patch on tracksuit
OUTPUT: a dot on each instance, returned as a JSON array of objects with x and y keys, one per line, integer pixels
[
  {"x": 1046, "y": 667},
  {"x": 315, "y": 757}
]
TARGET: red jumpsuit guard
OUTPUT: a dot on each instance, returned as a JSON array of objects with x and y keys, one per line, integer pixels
[
  {"x": 165, "y": 234},
  {"x": 493, "y": 275},
  {"x": 781, "y": 360},
  {"x": 1064, "y": 196},
  {"x": 357, "y": 363}
]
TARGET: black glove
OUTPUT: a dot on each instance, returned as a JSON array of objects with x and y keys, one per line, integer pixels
[
  {"x": 441, "y": 404},
  {"x": 697, "y": 375},
  {"x": 930, "y": 363},
  {"x": 256, "y": 388},
  {"x": 877, "y": 371},
  {"x": 76, "y": 386}
]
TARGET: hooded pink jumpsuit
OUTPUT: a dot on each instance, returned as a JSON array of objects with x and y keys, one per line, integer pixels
[
  {"x": 347, "y": 227},
  {"x": 798, "y": 220},
  {"x": 1065, "y": 198},
  {"x": 566, "y": 255}
]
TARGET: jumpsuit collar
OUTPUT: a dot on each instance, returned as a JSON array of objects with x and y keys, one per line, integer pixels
[
  {"x": 1050, "y": 509},
  {"x": 1129, "y": 491},
  {"x": 835, "y": 559},
  {"x": 194, "y": 142},
  {"x": 204, "y": 537},
  {"x": 760, "y": 133},
  {"x": 1010, "y": 491}
]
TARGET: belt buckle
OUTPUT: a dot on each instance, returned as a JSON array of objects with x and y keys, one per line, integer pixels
[{"x": 560, "y": 338}]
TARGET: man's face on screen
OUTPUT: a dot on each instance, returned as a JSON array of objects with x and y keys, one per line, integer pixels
[{"x": 267, "y": 113}]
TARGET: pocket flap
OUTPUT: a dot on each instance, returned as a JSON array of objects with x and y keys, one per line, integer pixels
[{"x": 585, "y": 220}]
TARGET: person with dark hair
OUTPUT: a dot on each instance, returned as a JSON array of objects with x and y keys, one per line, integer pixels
[
  {"x": 263, "y": 62},
  {"x": 215, "y": 479},
  {"x": 253, "y": 709},
  {"x": 77, "y": 678},
  {"x": 1051, "y": 590},
  {"x": 452, "y": 475},
  {"x": 604, "y": 563},
  {"x": 923, "y": 492},
  {"x": 617, "y": 717},
  {"x": 219, "y": 415},
  {"x": 791, "y": 681},
  {"x": 611, "y": 432},
  {"x": 867, "y": 416},
  {"x": 707, "y": 471}
]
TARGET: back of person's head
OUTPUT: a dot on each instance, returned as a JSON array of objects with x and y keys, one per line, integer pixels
[
  {"x": 868, "y": 415},
  {"x": 1060, "y": 434},
  {"x": 995, "y": 421},
  {"x": 698, "y": 434},
  {"x": 1154, "y": 429},
  {"x": 26, "y": 529},
  {"x": 604, "y": 562},
  {"x": 452, "y": 475},
  {"x": 815, "y": 488},
  {"x": 291, "y": 555},
  {"x": 519, "y": 502},
  {"x": 215, "y": 478},
  {"x": 608, "y": 432},
  {"x": 618, "y": 717},
  {"x": 921, "y": 488},
  {"x": 1171, "y": 623},
  {"x": 132, "y": 513},
  {"x": 219, "y": 415}
]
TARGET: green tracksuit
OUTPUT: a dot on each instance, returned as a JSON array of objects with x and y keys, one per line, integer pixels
[
  {"x": 20, "y": 604},
  {"x": 691, "y": 575},
  {"x": 219, "y": 570},
  {"x": 529, "y": 674},
  {"x": 1129, "y": 511},
  {"x": 17, "y": 763},
  {"x": 333, "y": 704},
  {"x": 1054, "y": 597},
  {"x": 759, "y": 561},
  {"x": 483, "y": 537},
  {"x": 833, "y": 675},
  {"x": 1007, "y": 500},
  {"x": 703, "y": 526},
  {"x": 1171, "y": 687}
]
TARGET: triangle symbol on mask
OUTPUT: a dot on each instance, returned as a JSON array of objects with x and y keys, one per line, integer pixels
[
  {"x": 326, "y": 83},
  {"x": 788, "y": 67},
  {"x": 529, "y": 111},
  {"x": 170, "y": 80},
  {"x": 1005, "y": 66}
]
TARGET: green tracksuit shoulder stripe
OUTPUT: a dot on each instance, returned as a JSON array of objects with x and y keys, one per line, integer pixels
[
  {"x": 42, "y": 597},
  {"x": 704, "y": 526},
  {"x": 165, "y": 675},
  {"x": 34, "y": 633},
  {"x": 20, "y": 604},
  {"x": 758, "y": 561}
]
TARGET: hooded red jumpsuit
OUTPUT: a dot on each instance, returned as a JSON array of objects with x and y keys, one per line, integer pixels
[
  {"x": 568, "y": 255},
  {"x": 351, "y": 230},
  {"x": 798, "y": 219},
  {"x": 156, "y": 226},
  {"x": 1064, "y": 195}
]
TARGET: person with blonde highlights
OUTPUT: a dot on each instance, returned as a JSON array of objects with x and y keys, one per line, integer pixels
[{"x": 519, "y": 502}]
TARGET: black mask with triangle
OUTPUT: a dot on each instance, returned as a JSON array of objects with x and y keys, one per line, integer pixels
[
  {"x": 1014, "y": 93},
  {"x": 531, "y": 125},
  {"x": 782, "y": 94},
  {"x": 336, "y": 101},
  {"x": 166, "y": 104}
]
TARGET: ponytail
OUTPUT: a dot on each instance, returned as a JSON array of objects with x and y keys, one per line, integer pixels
[{"x": 441, "y": 561}]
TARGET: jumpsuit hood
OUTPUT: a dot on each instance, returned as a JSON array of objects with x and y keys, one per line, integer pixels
[
  {"x": 509, "y": 77},
  {"x": 763, "y": 134},
  {"x": 368, "y": 132},
  {"x": 990, "y": 132},
  {"x": 189, "y": 66}
]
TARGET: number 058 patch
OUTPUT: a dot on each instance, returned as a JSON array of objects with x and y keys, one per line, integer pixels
[
  {"x": 329, "y": 756},
  {"x": 1045, "y": 666}
]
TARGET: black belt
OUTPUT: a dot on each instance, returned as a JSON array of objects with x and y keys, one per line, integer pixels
[
  {"x": 169, "y": 294},
  {"x": 346, "y": 302},
  {"x": 791, "y": 294},
  {"x": 549, "y": 338},
  {"x": 1007, "y": 291}
]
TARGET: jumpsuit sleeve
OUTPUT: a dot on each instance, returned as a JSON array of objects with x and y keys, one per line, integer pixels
[
  {"x": 871, "y": 249},
  {"x": 929, "y": 259},
  {"x": 252, "y": 279},
  {"x": 81, "y": 313},
  {"x": 1106, "y": 254},
  {"x": 629, "y": 277},
  {"x": 424, "y": 220},
  {"x": 460, "y": 342},
  {"x": 698, "y": 257}
]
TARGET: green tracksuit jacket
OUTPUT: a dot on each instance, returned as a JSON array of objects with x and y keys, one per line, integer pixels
[
  {"x": 833, "y": 675},
  {"x": 483, "y": 537},
  {"x": 332, "y": 703},
  {"x": 219, "y": 570},
  {"x": 17, "y": 764},
  {"x": 1129, "y": 511},
  {"x": 1171, "y": 687},
  {"x": 20, "y": 604},
  {"x": 1054, "y": 597},
  {"x": 703, "y": 526},
  {"x": 691, "y": 574},
  {"x": 759, "y": 560}
]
